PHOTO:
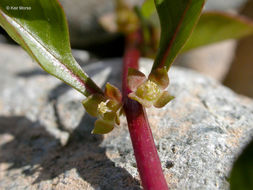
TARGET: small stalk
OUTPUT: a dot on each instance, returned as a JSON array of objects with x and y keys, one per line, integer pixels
[{"x": 148, "y": 162}]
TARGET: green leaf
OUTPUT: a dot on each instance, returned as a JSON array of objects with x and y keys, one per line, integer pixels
[
  {"x": 177, "y": 19},
  {"x": 40, "y": 27},
  {"x": 217, "y": 26},
  {"x": 241, "y": 176},
  {"x": 148, "y": 8}
]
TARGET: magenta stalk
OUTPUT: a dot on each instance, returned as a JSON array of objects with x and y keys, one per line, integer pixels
[{"x": 147, "y": 159}]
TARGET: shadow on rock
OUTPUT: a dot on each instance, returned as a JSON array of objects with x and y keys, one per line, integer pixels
[
  {"x": 33, "y": 150},
  {"x": 32, "y": 73}
]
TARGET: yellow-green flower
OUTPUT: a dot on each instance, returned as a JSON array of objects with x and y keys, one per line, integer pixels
[
  {"x": 107, "y": 108},
  {"x": 149, "y": 91}
]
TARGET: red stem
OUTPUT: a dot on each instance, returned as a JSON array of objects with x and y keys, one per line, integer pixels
[{"x": 146, "y": 156}]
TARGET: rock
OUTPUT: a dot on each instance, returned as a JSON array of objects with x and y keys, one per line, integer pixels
[
  {"x": 240, "y": 77},
  {"x": 224, "y": 5},
  {"x": 218, "y": 56},
  {"x": 2, "y": 38},
  {"x": 20, "y": 75},
  {"x": 198, "y": 135},
  {"x": 212, "y": 60},
  {"x": 83, "y": 19},
  {"x": 216, "y": 59}
]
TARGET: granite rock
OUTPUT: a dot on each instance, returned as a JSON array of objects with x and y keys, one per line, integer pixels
[
  {"x": 198, "y": 135},
  {"x": 240, "y": 77},
  {"x": 83, "y": 20},
  {"x": 218, "y": 57},
  {"x": 224, "y": 5}
]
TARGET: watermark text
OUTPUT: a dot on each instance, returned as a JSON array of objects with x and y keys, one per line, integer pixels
[{"x": 18, "y": 8}]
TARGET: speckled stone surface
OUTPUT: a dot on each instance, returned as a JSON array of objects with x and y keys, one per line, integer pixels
[{"x": 198, "y": 135}]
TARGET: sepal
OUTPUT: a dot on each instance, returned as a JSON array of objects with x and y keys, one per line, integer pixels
[
  {"x": 149, "y": 91},
  {"x": 135, "y": 78},
  {"x": 163, "y": 99},
  {"x": 91, "y": 103},
  {"x": 113, "y": 92},
  {"x": 102, "y": 127}
]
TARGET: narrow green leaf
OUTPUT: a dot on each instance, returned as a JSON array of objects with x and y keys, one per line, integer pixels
[
  {"x": 241, "y": 176},
  {"x": 148, "y": 8},
  {"x": 177, "y": 19},
  {"x": 40, "y": 27},
  {"x": 217, "y": 26}
]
